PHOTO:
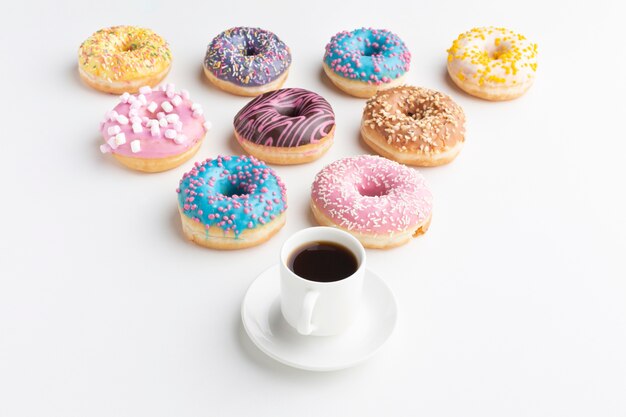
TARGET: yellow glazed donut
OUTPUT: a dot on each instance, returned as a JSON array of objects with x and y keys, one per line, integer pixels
[
  {"x": 492, "y": 63},
  {"x": 123, "y": 59}
]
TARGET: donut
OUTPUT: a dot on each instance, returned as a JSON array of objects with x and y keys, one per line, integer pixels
[
  {"x": 288, "y": 126},
  {"x": 154, "y": 130},
  {"x": 247, "y": 61},
  {"x": 123, "y": 58},
  {"x": 365, "y": 61},
  {"x": 414, "y": 126},
  {"x": 231, "y": 202},
  {"x": 492, "y": 63},
  {"x": 380, "y": 202}
]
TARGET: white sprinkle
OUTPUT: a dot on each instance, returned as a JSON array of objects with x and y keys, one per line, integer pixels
[
  {"x": 137, "y": 128},
  {"x": 135, "y": 146},
  {"x": 171, "y": 118},
  {"x": 120, "y": 139},
  {"x": 113, "y": 130},
  {"x": 124, "y": 97},
  {"x": 121, "y": 119},
  {"x": 163, "y": 122},
  {"x": 145, "y": 89},
  {"x": 185, "y": 94},
  {"x": 176, "y": 100},
  {"x": 104, "y": 148},
  {"x": 171, "y": 134},
  {"x": 152, "y": 107},
  {"x": 207, "y": 125},
  {"x": 167, "y": 106},
  {"x": 180, "y": 139},
  {"x": 197, "y": 113},
  {"x": 154, "y": 130}
]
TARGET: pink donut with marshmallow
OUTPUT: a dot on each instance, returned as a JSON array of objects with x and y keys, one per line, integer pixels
[
  {"x": 380, "y": 202},
  {"x": 154, "y": 130}
]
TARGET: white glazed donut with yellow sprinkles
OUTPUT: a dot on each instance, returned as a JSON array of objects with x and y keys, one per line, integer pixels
[{"x": 493, "y": 63}]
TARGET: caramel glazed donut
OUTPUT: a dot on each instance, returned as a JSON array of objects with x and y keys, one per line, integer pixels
[
  {"x": 288, "y": 126},
  {"x": 414, "y": 126}
]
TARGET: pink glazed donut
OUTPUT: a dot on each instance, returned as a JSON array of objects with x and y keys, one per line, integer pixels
[
  {"x": 380, "y": 202},
  {"x": 154, "y": 130}
]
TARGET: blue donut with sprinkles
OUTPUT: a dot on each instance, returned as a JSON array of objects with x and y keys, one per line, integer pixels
[
  {"x": 364, "y": 61},
  {"x": 247, "y": 61},
  {"x": 231, "y": 202}
]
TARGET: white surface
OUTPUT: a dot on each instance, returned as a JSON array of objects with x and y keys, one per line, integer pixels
[
  {"x": 264, "y": 323},
  {"x": 513, "y": 304}
]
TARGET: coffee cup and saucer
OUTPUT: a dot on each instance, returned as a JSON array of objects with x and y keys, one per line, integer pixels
[{"x": 320, "y": 308}]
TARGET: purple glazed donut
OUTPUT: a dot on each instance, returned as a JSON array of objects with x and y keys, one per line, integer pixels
[
  {"x": 288, "y": 126},
  {"x": 247, "y": 61}
]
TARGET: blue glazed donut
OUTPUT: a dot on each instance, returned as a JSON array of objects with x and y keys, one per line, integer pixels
[
  {"x": 247, "y": 61},
  {"x": 364, "y": 61},
  {"x": 231, "y": 202}
]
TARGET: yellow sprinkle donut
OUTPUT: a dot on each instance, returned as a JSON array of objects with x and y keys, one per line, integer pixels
[
  {"x": 493, "y": 63},
  {"x": 123, "y": 59}
]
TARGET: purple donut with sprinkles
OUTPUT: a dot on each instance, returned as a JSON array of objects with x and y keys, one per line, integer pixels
[
  {"x": 365, "y": 61},
  {"x": 247, "y": 61}
]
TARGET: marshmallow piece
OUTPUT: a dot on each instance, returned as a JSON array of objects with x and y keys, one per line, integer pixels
[
  {"x": 178, "y": 126},
  {"x": 142, "y": 99},
  {"x": 121, "y": 119},
  {"x": 120, "y": 139},
  {"x": 152, "y": 122},
  {"x": 112, "y": 115},
  {"x": 180, "y": 139},
  {"x": 171, "y": 134},
  {"x": 167, "y": 106},
  {"x": 137, "y": 128},
  {"x": 145, "y": 120},
  {"x": 160, "y": 115},
  {"x": 136, "y": 119},
  {"x": 171, "y": 118},
  {"x": 136, "y": 104},
  {"x": 113, "y": 130},
  {"x": 124, "y": 97},
  {"x": 163, "y": 122},
  {"x": 146, "y": 89},
  {"x": 135, "y": 146},
  {"x": 152, "y": 107},
  {"x": 195, "y": 106},
  {"x": 111, "y": 142},
  {"x": 197, "y": 113},
  {"x": 176, "y": 101},
  {"x": 185, "y": 94},
  {"x": 155, "y": 130},
  {"x": 207, "y": 125},
  {"x": 170, "y": 93},
  {"x": 104, "y": 148},
  {"x": 133, "y": 112},
  {"x": 132, "y": 99}
]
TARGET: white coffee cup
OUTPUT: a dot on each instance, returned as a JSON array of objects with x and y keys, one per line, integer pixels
[{"x": 320, "y": 308}]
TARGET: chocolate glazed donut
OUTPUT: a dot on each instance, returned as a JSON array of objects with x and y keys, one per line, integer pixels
[{"x": 287, "y": 126}]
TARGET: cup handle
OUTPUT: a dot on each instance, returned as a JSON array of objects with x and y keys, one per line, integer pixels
[{"x": 305, "y": 326}]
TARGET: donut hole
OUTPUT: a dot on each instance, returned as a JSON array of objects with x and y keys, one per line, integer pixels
[
  {"x": 372, "y": 190},
  {"x": 370, "y": 50},
  {"x": 287, "y": 111},
  {"x": 250, "y": 50},
  {"x": 129, "y": 46},
  {"x": 229, "y": 190}
]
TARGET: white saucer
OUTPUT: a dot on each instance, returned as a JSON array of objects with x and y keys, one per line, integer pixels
[{"x": 269, "y": 331}]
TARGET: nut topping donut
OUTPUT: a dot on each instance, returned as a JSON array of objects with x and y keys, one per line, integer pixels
[
  {"x": 493, "y": 63},
  {"x": 155, "y": 130},
  {"x": 288, "y": 126},
  {"x": 380, "y": 202},
  {"x": 364, "y": 61},
  {"x": 414, "y": 126},
  {"x": 123, "y": 58},
  {"x": 231, "y": 202},
  {"x": 247, "y": 61}
]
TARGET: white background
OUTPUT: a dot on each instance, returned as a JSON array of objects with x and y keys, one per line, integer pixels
[{"x": 513, "y": 304}]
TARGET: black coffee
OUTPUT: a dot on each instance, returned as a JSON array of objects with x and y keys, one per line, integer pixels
[{"x": 323, "y": 262}]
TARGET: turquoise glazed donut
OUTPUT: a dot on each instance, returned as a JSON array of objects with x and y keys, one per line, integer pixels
[
  {"x": 231, "y": 202},
  {"x": 364, "y": 61}
]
